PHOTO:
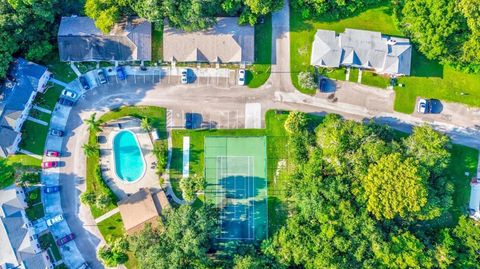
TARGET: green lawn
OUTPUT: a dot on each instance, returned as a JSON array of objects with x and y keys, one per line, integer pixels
[
  {"x": 428, "y": 78},
  {"x": 33, "y": 197},
  {"x": 157, "y": 44},
  {"x": 375, "y": 80},
  {"x": 464, "y": 159},
  {"x": 48, "y": 242},
  {"x": 157, "y": 116},
  {"x": 353, "y": 75},
  {"x": 37, "y": 114},
  {"x": 112, "y": 228},
  {"x": 61, "y": 71},
  {"x": 35, "y": 212},
  {"x": 431, "y": 80},
  {"x": 277, "y": 149},
  {"x": 33, "y": 137},
  {"x": 48, "y": 99},
  {"x": 84, "y": 67},
  {"x": 20, "y": 159},
  {"x": 259, "y": 72}
]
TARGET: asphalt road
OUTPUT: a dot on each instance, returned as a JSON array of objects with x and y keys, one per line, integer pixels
[{"x": 354, "y": 101}]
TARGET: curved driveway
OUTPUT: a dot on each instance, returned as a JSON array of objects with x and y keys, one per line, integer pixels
[{"x": 277, "y": 93}]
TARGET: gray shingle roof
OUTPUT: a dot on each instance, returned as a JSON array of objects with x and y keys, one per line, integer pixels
[
  {"x": 80, "y": 40},
  {"x": 13, "y": 100},
  {"x": 226, "y": 42},
  {"x": 360, "y": 48}
]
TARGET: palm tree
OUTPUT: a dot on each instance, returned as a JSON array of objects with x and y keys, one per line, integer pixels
[
  {"x": 93, "y": 123},
  {"x": 145, "y": 124},
  {"x": 90, "y": 150}
]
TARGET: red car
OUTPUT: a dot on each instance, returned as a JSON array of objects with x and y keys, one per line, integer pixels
[
  {"x": 49, "y": 164},
  {"x": 52, "y": 153},
  {"x": 62, "y": 241}
]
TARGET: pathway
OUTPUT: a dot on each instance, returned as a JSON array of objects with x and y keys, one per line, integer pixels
[
  {"x": 58, "y": 82},
  {"x": 37, "y": 121},
  {"x": 26, "y": 152},
  {"x": 44, "y": 110},
  {"x": 166, "y": 174},
  {"x": 75, "y": 69},
  {"x": 107, "y": 215}
]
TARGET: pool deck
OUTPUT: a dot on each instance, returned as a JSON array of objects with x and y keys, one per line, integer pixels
[{"x": 121, "y": 188}]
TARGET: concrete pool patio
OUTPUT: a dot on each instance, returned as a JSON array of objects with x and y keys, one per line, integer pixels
[{"x": 149, "y": 179}]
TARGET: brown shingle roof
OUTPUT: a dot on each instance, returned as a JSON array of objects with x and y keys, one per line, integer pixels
[{"x": 141, "y": 208}]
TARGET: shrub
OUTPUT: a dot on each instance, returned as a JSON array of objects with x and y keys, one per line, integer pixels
[
  {"x": 160, "y": 150},
  {"x": 103, "y": 200},
  {"x": 306, "y": 80},
  {"x": 88, "y": 198}
]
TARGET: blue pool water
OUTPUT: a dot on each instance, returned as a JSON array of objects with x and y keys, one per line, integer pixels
[{"x": 129, "y": 163}]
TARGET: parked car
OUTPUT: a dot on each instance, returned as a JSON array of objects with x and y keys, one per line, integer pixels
[
  {"x": 121, "y": 73},
  {"x": 56, "y": 132},
  {"x": 424, "y": 106},
  {"x": 241, "y": 77},
  {"x": 84, "y": 82},
  {"x": 184, "y": 76},
  {"x": 47, "y": 165},
  {"x": 323, "y": 85},
  {"x": 66, "y": 102},
  {"x": 102, "y": 78},
  {"x": 52, "y": 153},
  {"x": 51, "y": 189},
  {"x": 67, "y": 238},
  {"x": 69, "y": 94},
  {"x": 54, "y": 220},
  {"x": 188, "y": 120}
]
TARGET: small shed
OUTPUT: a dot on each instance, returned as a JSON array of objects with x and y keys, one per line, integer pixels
[{"x": 154, "y": 134}]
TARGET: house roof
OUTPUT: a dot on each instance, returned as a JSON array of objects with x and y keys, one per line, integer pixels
[
  {"x": 15, "y": 244},
  {"x": 225, "y": 42},
  {"x": 368, "y": 49},
  {"x": 80, "y": 40},
  {"x": 140, "y": 208}
]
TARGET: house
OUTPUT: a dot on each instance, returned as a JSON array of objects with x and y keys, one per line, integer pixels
[
  {"x": 19, "y": 246},
  {"x": 25, "y": 79},
  {"x": 145, "y": 206},
  {"x": 226, "y": 42},
  {"x": 79, "y": 40},
  {"x": 362, "y": 49},
  {"x": 474, "y": 204}
]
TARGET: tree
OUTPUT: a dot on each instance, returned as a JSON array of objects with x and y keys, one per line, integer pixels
[
  {"x": 103, "y": 200},
  {"x": 145, "y": 125},
  {"x": 90, "y": 150},
  {"x": 93, "y": 123},
  {"x": 467, "y": 235},
  {"x": 6, "y": 173},
  {"x": 114, "y": 255},
  {"x": 160, "y": 150},
  {"x": 429, "y": 147},
  {"x": 183, "y": 239},
  {"x": 88, "y": 198},
  {"x": 296, "y": 123},
  {"x": 191, "y": 15},
  {"x": 306, "y": 80},
  {"x": 190, "y": 186},
  {"x": 395, "y": 187}
]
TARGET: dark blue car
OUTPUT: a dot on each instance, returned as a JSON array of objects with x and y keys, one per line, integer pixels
[
  {"x": 51, "y": 189},
  {"x": 121, "y": 73}
]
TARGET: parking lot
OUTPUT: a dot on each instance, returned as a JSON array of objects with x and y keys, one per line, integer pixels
[{"x": 206, "y": 119}]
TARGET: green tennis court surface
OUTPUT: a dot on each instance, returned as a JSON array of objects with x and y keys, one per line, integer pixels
[{"x": 235, "y": 171}]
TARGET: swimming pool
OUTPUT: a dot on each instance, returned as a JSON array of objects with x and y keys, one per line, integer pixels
[{"x": 129, "y": 162}]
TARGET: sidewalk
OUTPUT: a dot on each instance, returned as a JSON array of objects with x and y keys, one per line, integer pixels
[
  {"x": 26, "y": 152},
  {"x": 37, "y": 121},
  {"x": 107, "y": 215}
]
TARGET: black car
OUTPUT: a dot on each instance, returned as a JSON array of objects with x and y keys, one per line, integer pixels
[
  {"x": 83, "y": 80},
  {"x": 323, "y": 84},
  {"x": 188, "y": 120},
  {"x": 66, "y": 102},
  {"x": 56, "y": 132}
]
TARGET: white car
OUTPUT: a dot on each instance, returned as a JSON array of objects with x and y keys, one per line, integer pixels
[
  {"x": 184, "y": 76},
  {"x": 69, "y": 94},
  {"x": 54, "y": 220},
  {"x": 241, "y": 77},
  {"x": 423, "y": 106}
]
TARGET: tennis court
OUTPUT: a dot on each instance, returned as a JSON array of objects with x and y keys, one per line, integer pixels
[{"x": 235, "y": 170}]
